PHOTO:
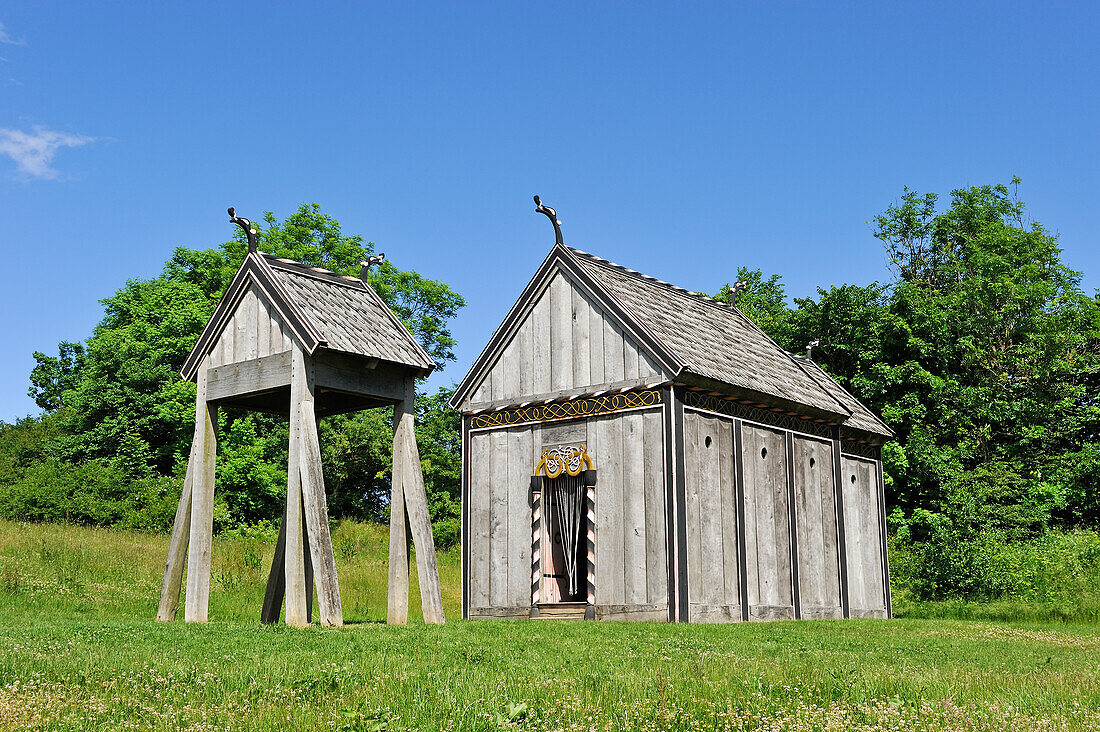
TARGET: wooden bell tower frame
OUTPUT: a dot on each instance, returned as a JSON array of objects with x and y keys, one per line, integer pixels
[{"x": 304, "y": 342}]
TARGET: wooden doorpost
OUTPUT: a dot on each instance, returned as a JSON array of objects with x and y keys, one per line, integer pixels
[
  {"x": 294, "y": 568},
  {"x": 201, "y": 528},
  {"x": 409, "y": 476}
]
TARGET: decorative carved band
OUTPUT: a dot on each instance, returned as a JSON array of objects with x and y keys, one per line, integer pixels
[
  {"x": 573, "y": 409},
  {"x": 755, "y": 414},
  {"x": 569, "y": 460},
  {"x": 871, "y": 452}
]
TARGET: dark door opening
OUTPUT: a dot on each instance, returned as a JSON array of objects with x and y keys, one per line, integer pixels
[{"x": 565, "y": 536}]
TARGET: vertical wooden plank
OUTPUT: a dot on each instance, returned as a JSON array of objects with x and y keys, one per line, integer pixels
[
  {"x": 517, "y": 489},
  {"x": 841, "y": 521},
  {"x": 177, "y": 547},
  {"x": 498, "y": 381},
  {"x": 728, "y": 495},
  {"x": 582, "y": 355},
  {"x": 807, "y": 501},
  {"x": 229, "y": 337},
  {"x": 509, "y": 370},
  {"x": 830, "y": 557},
  {"x": 872, "y": 564},
  {"x": 420, "y": 523},
  {"x": 525, "y": 352},
  {"x": 263, "y": 328},
  {"x": 541, "y": 360},
  {"x": 498, "y": 519},
  {"x": 882, "y": 529},
  {"x": 610, "y": 575},
  {"x": 647, "y": 366},
  {"x": 852, "y": 534},
  {"x": 251, "y": 325},
  {"x": 397, "y": 594},
  {"x": 297, "y": 612},
  {"x": 464, "y": 498},
  {"x": 755, "y": 565},
  {"x": 484, "y": 392},
  {"x": 739, "y": 455},
  {"x": 217, "y": 353},
  {"x": 630, "y": 358},
  {"x": 693, "y": 477},
  {"x": 781, "y": 521},
  {"x": 612, "y": 353},
  {"x": 656, "y": 551},
  {"x": 792, "y": 523},
  {"x": 634, "y": 509},
  {"x": 480, "y": 495},
  {"x": 561, "y": 336},
  {"x": 596, "y": 319},
  {"x": 201, "y": 539}
]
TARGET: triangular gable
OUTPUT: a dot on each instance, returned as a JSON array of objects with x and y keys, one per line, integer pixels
[
  {"x": 254, "y": 276},
  {"x": 552, "y": 322}
]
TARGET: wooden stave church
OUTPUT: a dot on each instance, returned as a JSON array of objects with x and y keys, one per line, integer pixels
[{"x": 637, "y": 380}]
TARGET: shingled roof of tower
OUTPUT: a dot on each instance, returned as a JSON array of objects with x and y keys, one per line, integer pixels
[{"x": 322, "y": 308}]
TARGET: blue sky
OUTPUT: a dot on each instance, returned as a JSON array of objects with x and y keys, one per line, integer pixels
[{"x": 683, "y": 140}]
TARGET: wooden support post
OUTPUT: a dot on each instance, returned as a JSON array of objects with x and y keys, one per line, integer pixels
[
  {"x": 294, "y": 566},
  {"x": 416, "y": 507},
  {"x": 320, "y": 558},
  {"x": 177, "y": 548},
  {"x": 201, "y": 527},
  {"x": 397, "y": 597}
]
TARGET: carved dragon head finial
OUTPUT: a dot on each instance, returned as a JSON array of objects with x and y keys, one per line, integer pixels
[
  {"x": 553, "y": 216},
  {"x": 246, "y": 226},
  {"x": 369, "y": 262},
  {"x": 810, "y": 348}
]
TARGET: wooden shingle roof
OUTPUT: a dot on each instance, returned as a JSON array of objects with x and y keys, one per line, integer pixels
[
  {"x": 703, "y": 341},
  {"x": 323, "y": 309}
]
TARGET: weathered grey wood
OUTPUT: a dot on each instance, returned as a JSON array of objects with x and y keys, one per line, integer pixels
[
  {"x": 819, "y": 575},
  {"x": 731, "y": 591},
  {"x": 582, "y": 354},
  {"x": 742, "y": 517},
  {"x": 614, "y": 361},
  {"x": 330, "y": 609},
  {"x": 520, "y": 470},
  {"x": 635, "y": 529},
  {"x": 630, "y": 359},
  {"x": 692, "y": 470},
  {"x": 525, "y": 349},
  {"x": 708, "y": 613},
  {"x": 295, "y": 571},
  {"x": 540, "y": 355},
  {"x": 609, "y": 510},
  {"x": 853, "y": 532},
  {"x": 712, "y": 556},
  {"x": 882, "y": 530},
  {"x": 767, "y": 521},
  {"x": 838, "y": 498},
  {"x": 596, "y": 318},
  {"x": 792, "y": 523},
  {"x": 655, "y": 546},
  {"x": 679, "y": 505},
  {"x": 200, "y": 542},
  {"x": 498, "y": 519},
  {"x": 416, "y": 507},
  {"x": 177, "y": 548},
  {"x": 276, "y": 580},
  {"x": 248, "y": 377},
  {"x": 479, "y": 519},
  {"x": 397, "y": 596},
  {"x": 561, "y": 340}
]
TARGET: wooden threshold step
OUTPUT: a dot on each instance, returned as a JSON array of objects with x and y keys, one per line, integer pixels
[{"x": 561, "y": 610}]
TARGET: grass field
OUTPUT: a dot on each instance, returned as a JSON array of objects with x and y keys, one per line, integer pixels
[{"x": 78, "y": 651}]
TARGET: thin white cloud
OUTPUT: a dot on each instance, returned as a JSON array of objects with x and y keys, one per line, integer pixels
[
  {"x": 33, "y": 152},
  {"x": 5, "y": 37}
]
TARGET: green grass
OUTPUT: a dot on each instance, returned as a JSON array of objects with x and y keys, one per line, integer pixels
[{"x": 78, "y": 650}]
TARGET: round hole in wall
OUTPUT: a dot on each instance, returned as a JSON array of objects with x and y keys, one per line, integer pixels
[
  {"x": 707, "y": 441},
  {"x": 853, "y": 479},
  {"x": 813, "y": 462},
  {"x": 763, "y": 452}
]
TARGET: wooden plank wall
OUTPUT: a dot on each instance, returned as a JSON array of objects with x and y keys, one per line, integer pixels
[
  {"x": 714, "y": 591},
  {"x": 499, "y": 571},
  {"x": 815, "y": 507},
  {"x": 863, "y": 537},
  {"x": 767, "y": 524},
  {"x": 254, "y": 331},
  {"x": 631, "y": 547},
  {"x": 567, "y": 342}
]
